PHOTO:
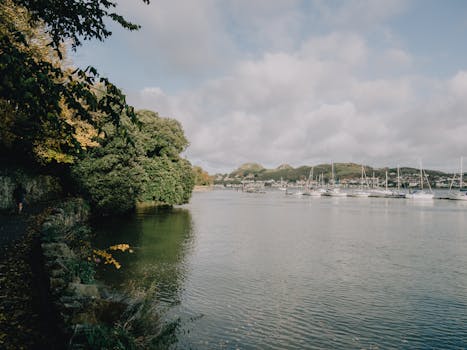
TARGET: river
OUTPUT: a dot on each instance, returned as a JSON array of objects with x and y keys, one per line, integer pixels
[{"x": 266, "y": 271}]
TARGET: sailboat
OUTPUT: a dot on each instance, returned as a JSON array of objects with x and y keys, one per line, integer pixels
[
  {"x": 283, "y": 186},
  {"x": 379, "y": 192},
  {"x": 361, "y": 192},
  {"x": 313, "y": 191},
  {"x": 462, "y": 193},
  {"x": 398, "y": 193},
  {"x": 333, "y": 190},
  {"x": 306, "y": 191},
  {"x": 421, "y": 195}
]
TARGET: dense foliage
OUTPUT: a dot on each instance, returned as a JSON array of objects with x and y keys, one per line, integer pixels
[
  {"x": 202, "y": 178},
  {"x": 136, "y": 163},
  {"x": 53, "y": 113},
  {"x": 44, "y": 103}
]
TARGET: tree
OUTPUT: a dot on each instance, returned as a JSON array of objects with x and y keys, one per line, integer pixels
[
  {"x": 37, "y": 87},
  {"x": 109, "y": 175},
  {"x": 160, "y": 141},
  {"x": 202, "y": 178},
  {"x": 136, "y": 163}
]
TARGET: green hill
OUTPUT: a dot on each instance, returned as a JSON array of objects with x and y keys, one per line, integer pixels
[{"x": 341, "y": 170}]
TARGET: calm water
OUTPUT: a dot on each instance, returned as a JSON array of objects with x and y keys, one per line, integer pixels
[{"x": 267, "y": 271}]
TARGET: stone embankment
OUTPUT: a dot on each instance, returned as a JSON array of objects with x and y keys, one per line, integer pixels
[
  {"x": 79, "y": 303},
  {"x": 48, "y": 295}
]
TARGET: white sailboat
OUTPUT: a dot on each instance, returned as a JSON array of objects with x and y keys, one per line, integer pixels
[
  {"x": 320, "y": 190},
  {"x": 380, "y": 192},
  {"x": 421, "y": 195},
  {"x": 398, "y": 193},
  {"x": 314, "y": 191},
  {"x": 462, "y": 193},
  {"x": 307, "y": 189},
  {"x": 333, "y": 190},
  {"x": 283, "y": 186},
  {"x": 361, "y": 192}
]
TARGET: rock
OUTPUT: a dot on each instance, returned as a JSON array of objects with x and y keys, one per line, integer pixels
[
  {"x": 57, "y": 250},
  {"x": 57, "y": 284},
  {"x": 84, "y": 290}
]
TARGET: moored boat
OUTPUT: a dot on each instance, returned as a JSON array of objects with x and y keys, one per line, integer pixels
[
  {"x": 460, "y": 195},
  {"x": 421, "y": 194}
]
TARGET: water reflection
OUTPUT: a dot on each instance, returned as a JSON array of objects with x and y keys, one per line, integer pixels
[{"x": 160, "y": 238}]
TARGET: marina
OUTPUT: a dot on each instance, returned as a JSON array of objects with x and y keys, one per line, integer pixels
[{"x": 415, "y": 189}]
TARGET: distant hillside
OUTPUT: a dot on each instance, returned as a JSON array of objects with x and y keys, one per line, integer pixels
[
  {"x": 341, "y": 170},
  {"x": 247, "y": 169}
]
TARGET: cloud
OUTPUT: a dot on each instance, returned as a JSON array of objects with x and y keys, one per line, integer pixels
[
  {"x": 185, "y": 38},
  {"x": 312, "y": 105},
  {"x": 278, "y": 81}
]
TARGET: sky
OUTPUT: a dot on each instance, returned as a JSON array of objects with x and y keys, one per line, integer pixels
[{"x": 378, "y": 82}]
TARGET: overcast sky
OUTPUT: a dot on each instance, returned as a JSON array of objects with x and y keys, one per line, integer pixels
[{"x": 298, "y": 82}]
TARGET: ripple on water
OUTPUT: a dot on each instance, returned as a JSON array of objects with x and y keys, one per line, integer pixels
[{"x": 277, "y": 272}]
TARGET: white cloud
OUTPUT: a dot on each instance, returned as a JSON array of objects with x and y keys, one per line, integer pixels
[
  {"x": 186, "y": 37},
  {"x": 312, "y": 105},
  {"x": 398, "y": 57},
  {"x": 261, "y": 83}
]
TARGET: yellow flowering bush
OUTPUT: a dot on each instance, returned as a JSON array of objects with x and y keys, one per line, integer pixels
[{"x": 103, "y": 255}]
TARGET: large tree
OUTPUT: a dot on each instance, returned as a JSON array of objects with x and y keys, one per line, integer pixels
[{"x": 136, "y": 163}]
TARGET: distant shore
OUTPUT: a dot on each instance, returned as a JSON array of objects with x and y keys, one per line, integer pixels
[{"x": 199, "y": 188}]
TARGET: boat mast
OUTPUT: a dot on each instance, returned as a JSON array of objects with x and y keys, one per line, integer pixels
[
  {"x": 398, "y": 179},
  {"x": 310, "y": 178},
  {"x": 421, "y": 175},
  {"x": 386, "y": 180},
  {"x": 332, "y": 174},
  {"x": 460, "y": 184},
  {"x": 361, "y": 181}
]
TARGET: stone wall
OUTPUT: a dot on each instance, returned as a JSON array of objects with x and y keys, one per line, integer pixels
[
  {"x": 39, "y": 188},
  {"x": 78, "y": 301}
]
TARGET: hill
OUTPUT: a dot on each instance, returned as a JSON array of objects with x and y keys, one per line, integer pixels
[{"x": 341, "y": 170}]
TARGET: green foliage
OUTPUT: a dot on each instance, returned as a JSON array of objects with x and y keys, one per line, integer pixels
[
  {"x": 202, "y": 178},
  {"x": 91, "y": 337},
  {"x": 110, "y": 176},
  {"x": 75, "y": 19},
  {"x": 83, "y": 269},
  {"x": 136, "y": 163},
  {"x": 42, "y": 100},
  {"x": 247, "y": 169},
  {"x": 169, "y": 181},
  {"x": 160, "y": 141},
  {"x": 159, "y": 136},
  {"x": 139, "y": 327}
]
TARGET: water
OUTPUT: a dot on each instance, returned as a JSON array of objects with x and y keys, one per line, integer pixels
[{"x": 270, "y": 271}]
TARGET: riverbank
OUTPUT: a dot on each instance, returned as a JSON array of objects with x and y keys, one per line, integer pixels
[
  {"x": 199, "y": 188},
  {"x": 49, "y": 298}
]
